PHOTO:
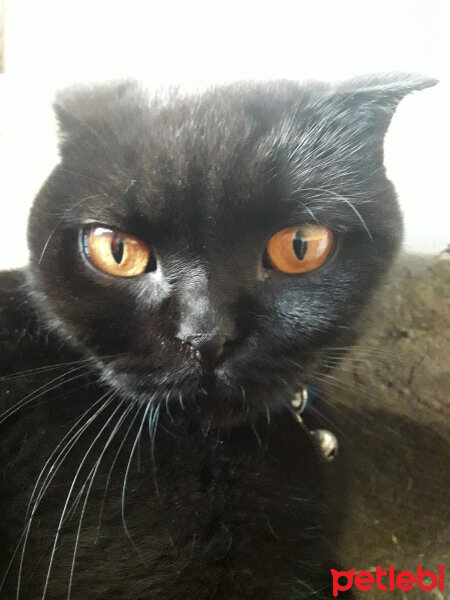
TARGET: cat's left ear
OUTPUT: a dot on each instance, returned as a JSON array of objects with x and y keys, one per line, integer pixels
[{"x": 374, "y": 99}]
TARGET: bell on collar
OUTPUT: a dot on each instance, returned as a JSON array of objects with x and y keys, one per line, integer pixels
[{"x": 326, "y": 442}]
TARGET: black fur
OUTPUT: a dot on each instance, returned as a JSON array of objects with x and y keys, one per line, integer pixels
[{"x": 216, "y": 491}]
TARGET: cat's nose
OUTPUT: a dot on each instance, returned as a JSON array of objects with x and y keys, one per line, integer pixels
[{"x": 208, "y": 348}]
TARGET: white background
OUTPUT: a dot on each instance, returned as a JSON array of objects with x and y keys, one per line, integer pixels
[{"x": 52, "y": 43}]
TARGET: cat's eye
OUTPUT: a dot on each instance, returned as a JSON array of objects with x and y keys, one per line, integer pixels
[
  {"x": 299, "y": 249},
  {"x": 116, "y": 253}
]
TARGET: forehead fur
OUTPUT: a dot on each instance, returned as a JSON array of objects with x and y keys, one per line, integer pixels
[
  {"x": 244, "y": 107},
  {"x": 316, "y": 148}
]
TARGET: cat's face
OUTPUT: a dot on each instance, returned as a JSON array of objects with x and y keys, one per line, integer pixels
[{"x": 154, "y": 242}]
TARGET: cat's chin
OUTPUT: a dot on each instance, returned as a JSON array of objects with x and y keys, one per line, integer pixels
[
  {"x": 224, "y": 403},
  {"x": 211, "y": 400}
]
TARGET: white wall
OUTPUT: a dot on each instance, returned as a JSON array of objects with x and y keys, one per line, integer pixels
[{"x": 52, "y": 43}]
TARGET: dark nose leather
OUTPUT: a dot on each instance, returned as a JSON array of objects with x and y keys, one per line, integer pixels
[{"x": 208, "y": 348}]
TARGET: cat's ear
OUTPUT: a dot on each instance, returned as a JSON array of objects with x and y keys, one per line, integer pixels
[
  {"x": 372, "y": 100},
  {"x": 80, "y": 110}
]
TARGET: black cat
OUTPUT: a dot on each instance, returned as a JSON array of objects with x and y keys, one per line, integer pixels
[{"x": 192, "y": 261}]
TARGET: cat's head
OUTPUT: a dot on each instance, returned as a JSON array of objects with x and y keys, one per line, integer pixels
[{"x": 208, "y": 250}]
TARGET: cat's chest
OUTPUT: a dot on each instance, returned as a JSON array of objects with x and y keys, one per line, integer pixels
[{"x": 96, "y": 501}]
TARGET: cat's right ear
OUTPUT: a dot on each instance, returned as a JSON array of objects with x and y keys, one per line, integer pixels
[{"x": 82, "y": 111}]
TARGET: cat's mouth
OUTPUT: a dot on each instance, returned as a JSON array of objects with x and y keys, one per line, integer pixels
[{"x": 223, "y": 395}]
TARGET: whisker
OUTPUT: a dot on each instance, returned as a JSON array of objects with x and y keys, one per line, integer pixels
[
  {"x": 347, "y": 202},
  {"x": 180, "y": 399},
  {"x": 258, "y": 440},
  {"x": 42, "y": 369},
  {"x": 67, "y": 447},
  {"x": 376, "y": 360},
  {"x": 44, "y": 248},
  {"x": 355, "y": 367},
  {"x": 43, "y": 389},
  {"x": 91, "y": 478},
  {"x": 267, "y": 410},
  {"x": 108, "y": 479},
  {"x": 153, "y": 418},
  {"x": 244, "y": 399},
  {"x": 64, "y": 511},
  {"x": 125, "y": 480},
  {"x": 168, "y": 405},
  {"x": 361, "y": 451},
  {"x": 394, "y": 435},
  {"x": 54, "y": 366},
  {"x": 361, "y": 351},
  {"x": 72, "y": 510},
  {"x": 314, "y": 410},
  {"x": 49, "y": 478},
  {"x": 346, "y": 385}
]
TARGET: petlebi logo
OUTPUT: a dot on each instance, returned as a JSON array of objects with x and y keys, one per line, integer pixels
[{"x": 388, "y": 580}]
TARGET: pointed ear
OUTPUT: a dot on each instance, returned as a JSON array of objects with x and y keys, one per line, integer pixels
[{"x": 374, "y": 99}]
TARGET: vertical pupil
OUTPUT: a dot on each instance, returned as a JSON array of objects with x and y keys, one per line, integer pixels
[
  {"x": 299, "y": 245},
  {"x": 117, "y": 248}
]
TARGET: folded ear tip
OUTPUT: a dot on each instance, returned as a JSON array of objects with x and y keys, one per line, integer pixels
[
  {"x": 420, "y": 82},
  {"x": 397, "y": 83},
  {"x": 78, "y": 106},
  {"x": 374, "y": 98}
]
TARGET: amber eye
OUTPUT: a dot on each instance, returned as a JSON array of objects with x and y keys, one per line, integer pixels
[
  {"x": 299, "y": 249},
  {"x": 115, "y": 252}
]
